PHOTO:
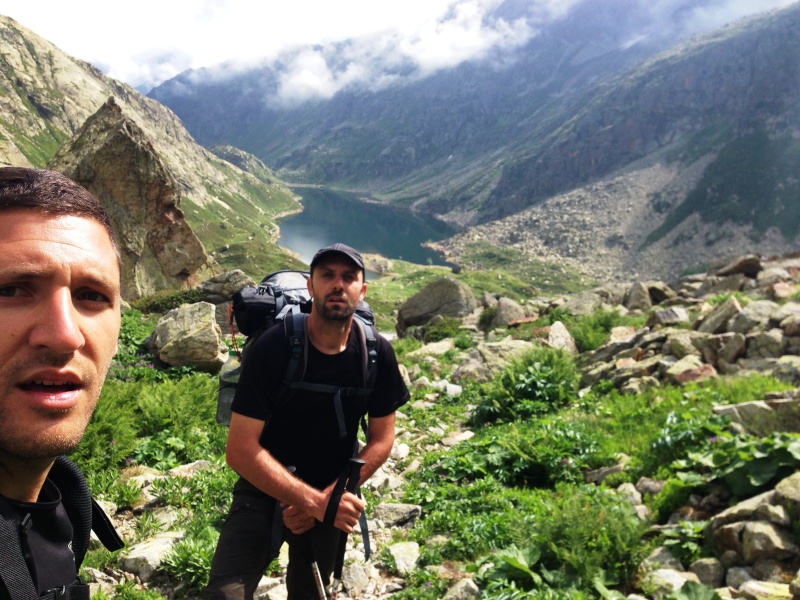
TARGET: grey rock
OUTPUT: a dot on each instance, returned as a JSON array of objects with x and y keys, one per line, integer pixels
[
  {"x": 766, "y": 344},
  {"x": 638, "y": 298},
  {"x": 717, "y": 320},
  {"x": 465, "y": 589},
  {"x": 709, "y": 571},
  {"x": 748, "y": 265},
  {"x": 405, "y": 555},
  {"x": 145, "y": 558},
  {"x": 754, "y": 314},
  {"x": 762, "y": 540},
  {"x": 398, "y": 515},
  {"x": 507, "y": 311},
  {"x": 446, "y": 297},
  {"x": 189, "y": 335}
]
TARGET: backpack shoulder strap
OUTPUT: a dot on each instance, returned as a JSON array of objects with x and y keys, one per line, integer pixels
[
  {"x": 294, "y": 329},
  {"x": 14, "y": 572},
  {"x": 368, "y": 337},
  {"x": 83, "y": 511}
]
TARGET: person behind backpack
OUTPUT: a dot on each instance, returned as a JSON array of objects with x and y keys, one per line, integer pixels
[
  {"x": 60, "y": 313},
  {"x": 289, "y": 452}
]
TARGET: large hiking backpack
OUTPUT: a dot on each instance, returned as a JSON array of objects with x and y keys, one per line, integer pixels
[{"x": 282, "y": 297}]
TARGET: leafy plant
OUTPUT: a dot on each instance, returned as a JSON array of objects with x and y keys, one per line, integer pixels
[
  {"x": 746, "y": 465},
  {"x": 581, "y": 537},
  {"x": 685, "y": 541},
  {"x": 537, "y": 454},
  {"x": 189, "y": 561},
  {"x": 540, "y": 382}
]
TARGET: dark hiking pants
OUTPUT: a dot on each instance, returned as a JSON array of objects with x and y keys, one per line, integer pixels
[{"x": 245, "y": 550}]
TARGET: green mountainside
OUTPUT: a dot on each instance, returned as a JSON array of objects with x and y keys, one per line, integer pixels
[{"x": 46, "y": 96}]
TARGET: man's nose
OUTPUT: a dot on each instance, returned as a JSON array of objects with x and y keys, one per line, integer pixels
[{"x": 58, "y": 324}]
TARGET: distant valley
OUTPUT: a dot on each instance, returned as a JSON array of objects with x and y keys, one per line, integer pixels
[
  {"x": 625, "y": 156},
  {"x": 704, "y": 133}
]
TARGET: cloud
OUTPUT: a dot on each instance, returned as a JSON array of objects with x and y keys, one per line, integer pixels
[
  {"x": 463, "y": 30},
  {"x": 150, "y": 41}
]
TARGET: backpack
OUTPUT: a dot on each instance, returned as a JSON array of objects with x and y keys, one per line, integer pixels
[
  {"x": 85, "y": 515},
  {"x": 282, "y": 297}
]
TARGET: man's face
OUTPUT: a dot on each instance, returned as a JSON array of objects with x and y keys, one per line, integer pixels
[
  {"x": 60, "y": 316},
  {"x": 337, "y": 286}
]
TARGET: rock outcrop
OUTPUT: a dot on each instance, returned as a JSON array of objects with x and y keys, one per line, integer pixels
[{"x": 114, "y": 159}]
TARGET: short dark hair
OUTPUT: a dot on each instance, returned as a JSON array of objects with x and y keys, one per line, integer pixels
[{"x": 50, "y": 192}]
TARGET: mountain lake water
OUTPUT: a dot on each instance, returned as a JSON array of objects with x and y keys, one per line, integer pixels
[{"x": 332, "y": 216}]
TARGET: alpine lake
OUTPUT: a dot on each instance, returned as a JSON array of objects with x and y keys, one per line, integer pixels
[{"x": 331, "y": 216}]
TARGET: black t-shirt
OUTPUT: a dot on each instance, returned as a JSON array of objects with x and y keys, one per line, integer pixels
[
  {"x": 47, "y": 546},
  {"x": 303, "y": 431}
]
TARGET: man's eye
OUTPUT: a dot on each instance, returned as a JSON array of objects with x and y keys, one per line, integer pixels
[
  {"x": 10, "y": 291},
  {"x": 93, "y": 296}
]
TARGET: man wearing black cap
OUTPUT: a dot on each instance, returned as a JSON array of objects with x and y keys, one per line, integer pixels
[{"x": 303, "y": 432}]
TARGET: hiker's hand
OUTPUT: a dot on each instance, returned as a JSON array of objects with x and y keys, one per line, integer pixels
[
  {"x": 296, "y": 520},
  {"x": 350, "y": 509}
]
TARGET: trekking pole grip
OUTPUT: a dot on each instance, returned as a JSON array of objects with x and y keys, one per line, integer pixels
[{"x": 354, "y": 475}]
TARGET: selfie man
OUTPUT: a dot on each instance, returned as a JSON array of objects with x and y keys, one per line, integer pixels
[
  {"x": 314, "y": 432},
  {"x": 60, "y": 309}
]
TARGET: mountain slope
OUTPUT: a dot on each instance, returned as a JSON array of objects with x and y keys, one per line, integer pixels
[
  {"x": 584, "y": 149},
  {"x": 47, "y": 95},
  {"x": 439, "y": 137}
]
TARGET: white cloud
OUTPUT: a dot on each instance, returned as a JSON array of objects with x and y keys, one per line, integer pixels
[{"x": 149, "y": 41}]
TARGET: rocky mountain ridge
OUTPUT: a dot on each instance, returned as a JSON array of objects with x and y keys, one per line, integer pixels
[
  {"x": 47, "y": 97},
  {"x": 696, "y": 143},
  {"x": 602, "y": 229}
]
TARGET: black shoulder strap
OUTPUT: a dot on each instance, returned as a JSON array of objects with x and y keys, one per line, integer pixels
[
  {"x": 14, "y": 571},
  {"x": 369, "y": 351},
  {"x": 83, "y": 511},
  {"x": 294, "y": 329}
]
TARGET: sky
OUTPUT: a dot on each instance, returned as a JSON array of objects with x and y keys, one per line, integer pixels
[{"x": 149, "y": 41}]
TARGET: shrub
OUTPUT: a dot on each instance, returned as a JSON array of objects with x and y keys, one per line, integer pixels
[
  {"x": 538, "y": 383},
  {"x": 165, "y": 300},
  {"x": 536, "y": 454},
  {"x": 439, "y": 329},
  {"x": 487, "y": 317},
  {"x": 189, "y": 561},
  {"x": 581, "y": 533}
]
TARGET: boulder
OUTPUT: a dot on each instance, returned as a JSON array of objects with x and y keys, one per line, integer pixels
[
  {"x": 507, "y": 311},
  {"x": 756, "y": 313},
  {"x": 113, "y": 158},
  {"x": 189, "y": 335},
  {"x": 766, "y": 344},
  {"x": 447, "y": 297},
  {"x": 145, "y": 558},
  {"x": 638, "y": 298},
  {"x": 718, "y": 319},
  {"x": 221, "y": 287},
  {"x": 748, "y": 265},
  {"x": 667, "y": 317},
  {"x": 559, "y": 337}
]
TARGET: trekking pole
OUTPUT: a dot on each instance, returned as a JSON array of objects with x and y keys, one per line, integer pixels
[
  {"x": 353, "y": 477},
  {"x": 323, "y": 595}
]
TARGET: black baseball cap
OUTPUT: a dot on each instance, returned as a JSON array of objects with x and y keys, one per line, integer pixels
[{"x": 344, "y": 249}]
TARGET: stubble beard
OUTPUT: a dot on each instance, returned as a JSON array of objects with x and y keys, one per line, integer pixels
[{"x": 59, "y": 432}]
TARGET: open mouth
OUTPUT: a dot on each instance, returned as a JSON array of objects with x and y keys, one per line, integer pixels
[{"x": 49, "y": 386}]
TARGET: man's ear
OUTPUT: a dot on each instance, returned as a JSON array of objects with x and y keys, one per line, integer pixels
[{"x": 363, "y": 292}]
